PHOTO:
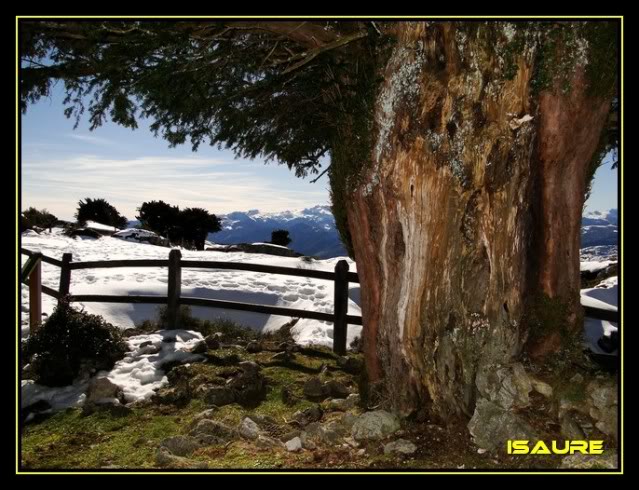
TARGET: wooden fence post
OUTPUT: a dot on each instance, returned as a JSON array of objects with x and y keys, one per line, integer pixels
[
  {"x": 65, "y": 275},
  {"x": 174, "y": 289},
  {"x": 35, "y": 297},
  {"x": 340, "y": 307}
]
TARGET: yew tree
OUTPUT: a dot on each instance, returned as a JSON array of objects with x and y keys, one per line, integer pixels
[{"x": 460, "y": 154}]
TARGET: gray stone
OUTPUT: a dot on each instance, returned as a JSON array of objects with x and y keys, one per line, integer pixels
[
  {"x": 308, "y": 415},
  {"x": 163, "y": 457},
  {"x": 265, "y": 442},
  {"x": 207, "y": 427},
  {"x": 343, "y": 404},
  {"x": 400, "y": 446},
  {"x": 181, "y": 445},
  {"x": 375, "y": 425},
  {"x": 249, "y": 429},
  {"x": 294, "y": 444},
  {"x": 336, "y": 389},
  {"x": 491, "y": 426},
  {"x": 212, "y": 341},
  {"x": 219, "y": 396},
  {"x": 200, "y": 347},
  {"x": 284, "y": 356},
  {"x": 350, "y": 364},
  {"x": 570, "y": 429},
  {"x": 101, "y": 390},
  {"x": 507, "y": 386},
  {"x": 603, "y": 405},
  {"x": 541, "y": 387},
  {"x": 253, "y": 347},
  {"x": 250, "y": 367},
  {"x": 609, "y": 460},
  {"x": 314, "y": 389}
]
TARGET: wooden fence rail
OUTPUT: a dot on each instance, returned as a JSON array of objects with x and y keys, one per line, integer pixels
[
  {"x": 341, "y": 277},
  {"x": 31, "y": 275}
]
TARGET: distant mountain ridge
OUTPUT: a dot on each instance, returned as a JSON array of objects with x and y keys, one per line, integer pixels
[
  {"x": 312, "y": 230},
  {"x": 314, "y": 233},
  {"x": 600, "y": 228}
]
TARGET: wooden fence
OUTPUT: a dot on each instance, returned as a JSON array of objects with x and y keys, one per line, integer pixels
[{"x": 31, "y": 275}]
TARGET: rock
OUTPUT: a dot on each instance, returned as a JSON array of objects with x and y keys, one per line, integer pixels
[
  {"x": 348, "y": 420},
  {"x": 206, "y": 414},
  {"x": 169, "y": 339},
  {"x": 219, "y": 395},
  {"x": 249, "y": 386},
  {"x": 608, "y": 460},
  {"x": 506, "y": 386},
  {"x": 570, "y": 429},
  {"x": 265, "y": 442},
  {"x": 284, "y": 356},
  {"x": 307, "y": 443},
  {"x": 200, "y": 347},
  {"x": 181, "y": 445},
  {"x": 603, "y": 405},
  {"x": 400, "y": 446},
  {"x": 145, "y": 344},
  {"x": 253, "y": 347},
  {"x": 314, "y": 389},
  {"x": 336, "y": 389},
  {"x": 577, "y": 379},
  {"x": 491, "y": 426},
  {"x": 102, "y": 390},
  {"x": 250, "y": 367},
  {"x": 308, "y": 415},
  {"x": 218, "y": 430},
  {"x": 351, "y": 365},
  {"x": 294, "y": 444},
  {"x": 351, "y": 401},
  {"x": 375, "y": 425},
  {"x": 172, "y": 396},
  {"x": 249, "y": 429},
  {"x": 163, "y": 457},
  {"x": 212, "y": 341},
  {"x": 541, "y": 387}
]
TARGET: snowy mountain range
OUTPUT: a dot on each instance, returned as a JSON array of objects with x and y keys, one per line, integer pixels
[
  {"x": 312, "y": 230},
  {"x": 599, "y": 228},
  {"x": 314, "y": 233}
]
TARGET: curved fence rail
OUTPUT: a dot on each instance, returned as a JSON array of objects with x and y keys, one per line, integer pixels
[{"x": 341, "y": 277}]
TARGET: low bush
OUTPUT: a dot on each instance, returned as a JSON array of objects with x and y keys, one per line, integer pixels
[{"x": 69, "y": 341}]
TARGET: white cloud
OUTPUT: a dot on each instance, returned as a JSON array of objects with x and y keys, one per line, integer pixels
[{"x": 215, "y": 184}]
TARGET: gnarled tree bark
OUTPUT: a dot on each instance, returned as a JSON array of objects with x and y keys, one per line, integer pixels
[{"x": 470, "y": 207}]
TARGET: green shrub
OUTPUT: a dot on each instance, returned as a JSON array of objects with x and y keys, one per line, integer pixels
[
  {"x": 100, "y": 211},
  {"x": 69, "y": 340},
  {"x": 280, "y": 237},
  {"x": 40, "y": 218}
]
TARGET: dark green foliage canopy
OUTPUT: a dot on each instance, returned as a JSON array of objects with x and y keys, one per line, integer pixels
[
  {"x": 281, "y": 237},
  {"x": 272, "y": 89},
  {"x": 69, "y": 339},
  {"x": 100, "y": 211}
]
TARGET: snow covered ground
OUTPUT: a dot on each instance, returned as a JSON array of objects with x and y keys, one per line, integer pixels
[
  {"x": 604, "y": 296},
  {"x": 139, "y": 373},
  {"x": 249, "y": 287}
]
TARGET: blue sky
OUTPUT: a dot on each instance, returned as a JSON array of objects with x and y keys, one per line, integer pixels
[{"x": 61, "y": 165}]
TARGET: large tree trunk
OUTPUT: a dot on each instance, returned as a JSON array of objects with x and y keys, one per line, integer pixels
[{"x": 469, "y": 211}]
